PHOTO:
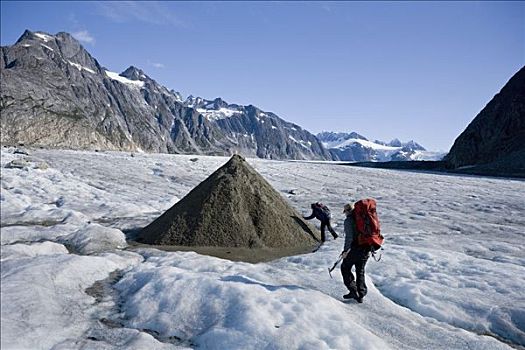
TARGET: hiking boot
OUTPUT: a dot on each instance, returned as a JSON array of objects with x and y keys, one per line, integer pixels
[
  {"x": 359, "y": 300},
  {"x": 335, "y": 235},
  {"x": 350, "y": 295}
]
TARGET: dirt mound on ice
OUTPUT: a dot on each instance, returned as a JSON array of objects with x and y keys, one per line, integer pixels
[{"x": 234, "y": 207}]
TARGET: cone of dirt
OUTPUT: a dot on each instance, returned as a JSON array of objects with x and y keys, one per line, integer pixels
[{"x": 234, "y": 207}]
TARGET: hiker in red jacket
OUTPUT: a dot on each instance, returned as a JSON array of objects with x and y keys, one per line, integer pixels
[
  {"x": 321, "y": 212},
  {"x": 353, "y": 254}
]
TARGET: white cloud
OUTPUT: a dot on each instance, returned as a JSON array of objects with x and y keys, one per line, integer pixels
[
  {"x": 84, "y": 37},
  {"x": 156, "y": 64},
  {"x": 72, "y": 17},
  {"x": 152, "y": 12}
]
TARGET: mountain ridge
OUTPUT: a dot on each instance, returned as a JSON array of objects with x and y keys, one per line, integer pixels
[
  {"x": 355, "y": 147},
  {"x": 99, "y": 109},
  {"x": 96, "y": 108}
]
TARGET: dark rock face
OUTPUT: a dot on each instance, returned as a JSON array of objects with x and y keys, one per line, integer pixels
[
  {"x": 265, "y": 135},
  {"x": 256, "y": 133},
  {"x": 55, "y": 94},
  {"x": 233, "y": 207},
  {"x": 495, "y": 140}
]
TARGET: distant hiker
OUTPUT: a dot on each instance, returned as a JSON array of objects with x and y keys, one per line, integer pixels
[
  {"x": 321, "y": 212},
  {"x": 362, "y": 235}
]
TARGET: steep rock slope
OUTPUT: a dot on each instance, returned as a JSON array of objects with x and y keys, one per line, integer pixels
[
  {"x": 259, "y": 133},
  {"x": 55, "y": 94},
  {"x": 494, "y": 141}
]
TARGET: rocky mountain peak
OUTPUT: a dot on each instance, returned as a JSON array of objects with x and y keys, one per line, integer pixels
[
  {"x": 36, "y": 36},
  {"x": 194, "y": 101},
  {"x": 199, "y": 102},
  {"x": 413, "y": 145},
  {"x": 25, "y": 36},
  {"x": 134, "y": 73},
  {"x": 395, "y": 143},
  {"x": 329, "y": 136},
  {"x": 38, "y": 48},
  {"x": 219, "y": 103}
]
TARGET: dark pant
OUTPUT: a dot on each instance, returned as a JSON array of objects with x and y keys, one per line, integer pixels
[
  {"x": 326, "y": 224},
  {"x": 358, "y": 257}
]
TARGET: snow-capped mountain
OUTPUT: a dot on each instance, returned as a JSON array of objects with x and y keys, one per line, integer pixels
[
  {"x": 334, "y": 138},
  {"x": 55, "y": 94},
  {"x": 260, "y": 133},
  {"x": 396, "y": 143},
  {"x": 355, "y": 147}
]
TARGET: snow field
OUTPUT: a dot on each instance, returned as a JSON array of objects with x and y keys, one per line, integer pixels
[{"x": 450, "y": 276}]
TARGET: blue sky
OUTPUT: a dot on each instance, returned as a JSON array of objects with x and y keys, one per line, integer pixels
[{"x": 411, "y": 70}]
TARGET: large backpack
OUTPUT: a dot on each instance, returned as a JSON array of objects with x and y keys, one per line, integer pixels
[
  {"x": 325, "y": 210},
  {"x": 367, "y": 224}
]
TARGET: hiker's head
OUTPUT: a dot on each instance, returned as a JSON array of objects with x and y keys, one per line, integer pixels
[
  {"x": 348, "y": 208},
  {"x": 313, "y": 205}
]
